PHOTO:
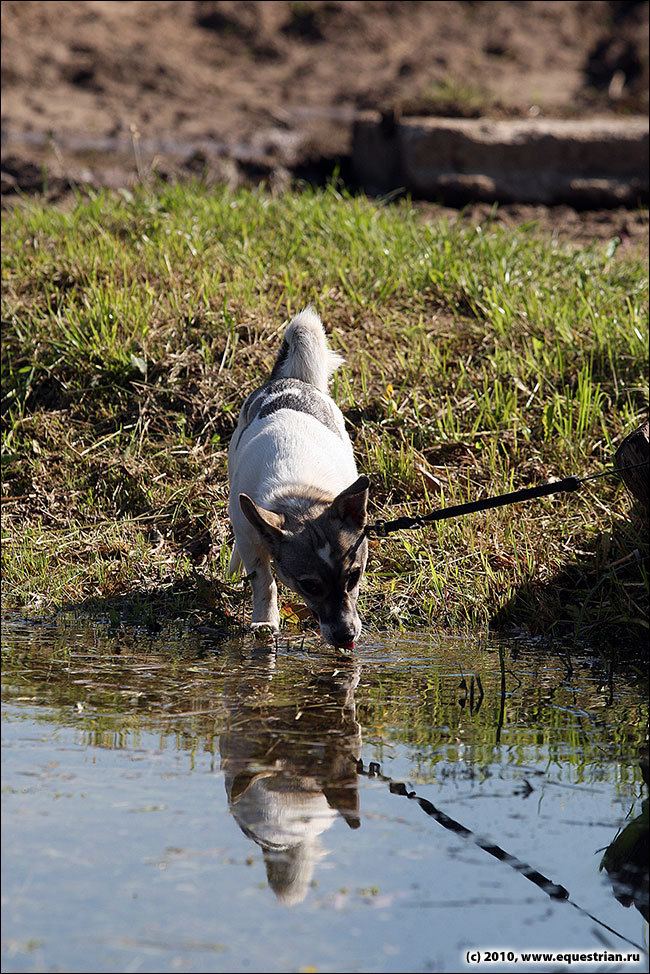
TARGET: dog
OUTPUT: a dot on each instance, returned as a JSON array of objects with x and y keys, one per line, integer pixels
[{"x": 296, "y": 499}]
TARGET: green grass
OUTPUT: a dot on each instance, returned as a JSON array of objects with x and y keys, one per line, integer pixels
[
  {"x": 453, "y": 97},
  {"x": 480, "y": 359}
]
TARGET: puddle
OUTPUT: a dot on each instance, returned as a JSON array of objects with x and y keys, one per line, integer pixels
[
  {"x": 185, "y": 805},
  {"x": 121, "y": 144},
  {"x": 285, "y": 143}
]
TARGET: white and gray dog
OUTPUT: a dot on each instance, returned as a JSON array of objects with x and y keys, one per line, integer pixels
[{"x": 295, "y": 495}]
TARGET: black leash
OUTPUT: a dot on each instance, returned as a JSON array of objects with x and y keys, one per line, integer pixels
[{"x": 568, "y": 485}]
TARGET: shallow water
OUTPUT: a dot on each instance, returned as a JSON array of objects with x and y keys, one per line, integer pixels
[{"x": 179, "y": 804}]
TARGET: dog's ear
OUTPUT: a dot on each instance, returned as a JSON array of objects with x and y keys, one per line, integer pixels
[
  {"x": 351, "y": 503},
  {"x": 268, "y": 524}
]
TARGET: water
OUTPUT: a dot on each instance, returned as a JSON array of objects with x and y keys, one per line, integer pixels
[{"x": 177, "y": 804}]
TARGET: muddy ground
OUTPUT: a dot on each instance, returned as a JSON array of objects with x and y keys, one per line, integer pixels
[{"x": 107, "y": 93}]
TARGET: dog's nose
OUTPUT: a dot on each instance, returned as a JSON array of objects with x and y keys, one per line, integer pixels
[
  {"x": 340, "y": 629},
  {"x": 343, "y": 636}
]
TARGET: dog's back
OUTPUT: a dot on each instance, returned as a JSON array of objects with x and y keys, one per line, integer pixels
[{"x": 290, "y": 431}]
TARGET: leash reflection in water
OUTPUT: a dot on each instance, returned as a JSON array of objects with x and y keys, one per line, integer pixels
[{"x": 289, "y": 760}]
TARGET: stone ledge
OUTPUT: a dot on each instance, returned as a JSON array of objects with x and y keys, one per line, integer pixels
[{"x": 585, "y": 162}]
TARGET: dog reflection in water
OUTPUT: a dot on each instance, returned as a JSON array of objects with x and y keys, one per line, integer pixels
[{"x": 289, "y": 756}]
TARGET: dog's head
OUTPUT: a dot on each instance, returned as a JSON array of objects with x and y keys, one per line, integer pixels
[{"x": 321, "y": 556}]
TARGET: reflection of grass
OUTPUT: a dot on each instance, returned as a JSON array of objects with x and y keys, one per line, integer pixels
[
  {"x": 479, "y": 359},
  {"x": 116, "y": 690},
  {"x": 538, "y": 724}
]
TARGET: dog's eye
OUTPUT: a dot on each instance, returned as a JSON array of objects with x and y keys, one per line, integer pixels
[
  {"x": 353, "y": 579},
  {"x": 310, "y": 586}
]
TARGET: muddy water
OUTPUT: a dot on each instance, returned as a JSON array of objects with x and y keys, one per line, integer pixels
[{"x": 180, "y": 804}]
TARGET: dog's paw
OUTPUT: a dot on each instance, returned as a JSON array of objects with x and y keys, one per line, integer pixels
[{"x": 264, "y": 629}]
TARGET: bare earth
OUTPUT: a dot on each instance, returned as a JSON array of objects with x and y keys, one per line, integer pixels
[{"x": 103, "y": 93}]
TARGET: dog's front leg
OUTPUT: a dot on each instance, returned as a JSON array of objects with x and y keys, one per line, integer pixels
[
  {"x": 265, "y": 591},
  {"x": 265, "y": 598}
]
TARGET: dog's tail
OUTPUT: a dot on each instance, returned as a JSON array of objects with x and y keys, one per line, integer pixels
[{"x": 304, "y": 353}]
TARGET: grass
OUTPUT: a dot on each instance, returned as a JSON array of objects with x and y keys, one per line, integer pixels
[
  {"x": 452, "y": 97},
  {"x": 480, "y": 359}
]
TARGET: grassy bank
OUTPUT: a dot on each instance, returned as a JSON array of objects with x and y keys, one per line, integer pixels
[{"x": 479, "y": 360}]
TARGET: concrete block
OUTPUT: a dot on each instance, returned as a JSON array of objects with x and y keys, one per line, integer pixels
[{"x": 583, "y": 162}]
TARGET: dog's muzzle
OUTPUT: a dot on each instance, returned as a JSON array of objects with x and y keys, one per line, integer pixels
[{"x": 341, "y": 633}]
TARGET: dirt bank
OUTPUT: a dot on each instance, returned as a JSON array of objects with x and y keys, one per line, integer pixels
[{"x": 105, "y": 92}]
